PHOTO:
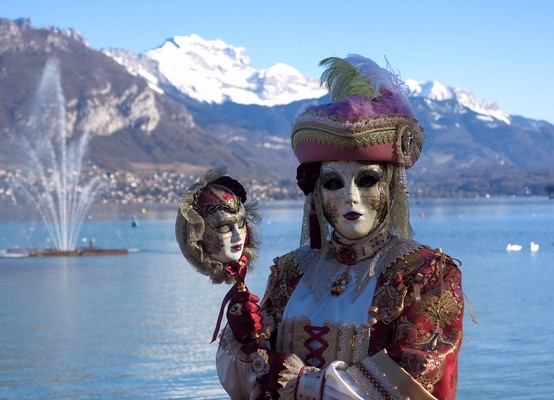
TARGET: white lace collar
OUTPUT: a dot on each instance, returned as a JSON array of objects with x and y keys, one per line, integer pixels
[{"x": 320, "y": 267}]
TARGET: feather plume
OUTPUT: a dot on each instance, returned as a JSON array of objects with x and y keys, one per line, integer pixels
[
  {"x": 343, "y": 79},
  {"x": 357, "y": 75}
]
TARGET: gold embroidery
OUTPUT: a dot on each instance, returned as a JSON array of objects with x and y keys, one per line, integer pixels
[
  {"x": 284, "y": 273},
  {"x": 403, "y": 133},
  {"x": 441, "y": 310},
  {"x": 428, "y": 329},
  {"x": 325, "y": 123},
  {"x": 426, "y": 332},
  {"x": 287, "y": 267},
  {"x": 350, "y": 141},
  {"x": 406, "y": 141},
  {"x": 345, "y": 342},
  {"x": 389, "y": 299}
]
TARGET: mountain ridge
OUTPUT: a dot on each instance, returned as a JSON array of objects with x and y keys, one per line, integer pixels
[
  {"x": 141, "y": 121},
  {"x": 130, "y": 124},
  {"x": 214, "y": 72},
  {"x": 183, "y": 52}
]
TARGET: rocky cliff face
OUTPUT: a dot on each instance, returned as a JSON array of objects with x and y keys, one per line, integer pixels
[
  {"x": 132, "y": 125},
  {"x": 141, "y": 120},
  {"x": 101, "y": 97}
]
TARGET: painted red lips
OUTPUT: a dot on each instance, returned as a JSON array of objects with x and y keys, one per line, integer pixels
[
  {"x": 352, "y": 216},
  {"x": 238, "y": 247}
]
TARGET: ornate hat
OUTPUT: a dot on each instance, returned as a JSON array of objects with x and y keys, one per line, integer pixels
[
  {"x": 220, "y": 195},
  {"x": 369, "y": 117}
]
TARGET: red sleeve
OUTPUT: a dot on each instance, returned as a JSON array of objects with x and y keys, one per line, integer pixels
[{"x": 419, "y": 305}]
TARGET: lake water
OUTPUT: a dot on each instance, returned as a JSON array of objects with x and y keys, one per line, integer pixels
[{"x": 138, "y": 326}]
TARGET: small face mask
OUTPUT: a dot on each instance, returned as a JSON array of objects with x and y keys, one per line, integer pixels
[
  {"x": 225, "y": 235},
  {"x": 354, "y": 196}
]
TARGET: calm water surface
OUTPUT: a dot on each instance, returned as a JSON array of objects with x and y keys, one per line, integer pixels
[{"x": 138, "y": 326}]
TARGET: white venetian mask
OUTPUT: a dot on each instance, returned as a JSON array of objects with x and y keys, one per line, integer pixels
[
  {"x": 354, "y": 196},
  {"x": 225, "y": 235}
]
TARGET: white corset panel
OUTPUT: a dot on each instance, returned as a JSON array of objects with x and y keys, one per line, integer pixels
[
  {"x": 320, "y": 345},
  {"x": 337, "y": 328}
]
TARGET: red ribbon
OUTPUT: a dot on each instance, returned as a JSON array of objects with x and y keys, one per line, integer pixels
[
  {"x": 315, "y": 229},
  {"x": 238, "y": 271}
]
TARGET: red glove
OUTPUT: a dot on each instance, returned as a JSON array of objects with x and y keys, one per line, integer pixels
[{"x": 243, "y": 317}]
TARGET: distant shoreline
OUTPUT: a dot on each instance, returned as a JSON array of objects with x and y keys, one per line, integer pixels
[{"x": 167, "y": 211}]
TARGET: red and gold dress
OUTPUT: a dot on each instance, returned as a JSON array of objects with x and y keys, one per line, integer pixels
[{"x": 384, "y": 327}]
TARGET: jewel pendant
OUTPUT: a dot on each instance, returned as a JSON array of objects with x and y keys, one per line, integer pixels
[{"x": 339, "y": 284}]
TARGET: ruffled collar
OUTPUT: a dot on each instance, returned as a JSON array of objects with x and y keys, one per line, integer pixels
[{"x": 320, "y": 268}]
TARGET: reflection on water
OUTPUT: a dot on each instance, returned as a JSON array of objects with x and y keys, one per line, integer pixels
[
  {"x": 106, "y": 327},
  {"x": 138, "y": 326}
]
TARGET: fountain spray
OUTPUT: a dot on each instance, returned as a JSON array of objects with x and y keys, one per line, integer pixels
[{"x": 52, "y": 182}]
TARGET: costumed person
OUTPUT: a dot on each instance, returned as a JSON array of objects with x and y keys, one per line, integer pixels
[
  {"x": 360, "y": 310},
  {"x": 216, "y": 234}
]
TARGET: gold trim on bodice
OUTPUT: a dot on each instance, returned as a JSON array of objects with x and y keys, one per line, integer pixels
[{"x": 320, "y": 345}]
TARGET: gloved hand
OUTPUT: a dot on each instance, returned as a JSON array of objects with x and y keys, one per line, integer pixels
[{"x": 243, "y": 317}]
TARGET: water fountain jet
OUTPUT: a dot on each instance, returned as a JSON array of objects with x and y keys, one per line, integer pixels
[{"x": 52, "y": 182}]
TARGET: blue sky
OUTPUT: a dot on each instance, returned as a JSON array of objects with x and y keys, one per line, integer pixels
[{"x": 500, "y": 50}]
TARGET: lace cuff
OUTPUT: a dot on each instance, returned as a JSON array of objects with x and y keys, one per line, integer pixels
[
  {"x": 289, "y": 376},
  {"x": 232, "y": 347},
  {"x": 228, "y": 343}
]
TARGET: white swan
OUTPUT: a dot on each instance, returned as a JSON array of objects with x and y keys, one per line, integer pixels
[
  {"x": 513, "y": 247},
  {"x": 533, "y": 246}
]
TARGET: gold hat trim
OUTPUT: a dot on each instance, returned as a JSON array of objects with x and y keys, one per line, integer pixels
[{"x": 314, "y": 128}]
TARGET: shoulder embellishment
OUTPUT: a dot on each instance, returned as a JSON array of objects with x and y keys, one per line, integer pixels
[{"x": 286, "y": 267}]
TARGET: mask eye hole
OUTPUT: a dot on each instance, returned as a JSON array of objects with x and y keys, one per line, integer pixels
[
  {"x": 332, "y": 183},
  {"x": 368, "y": 180},
  {"x": 224, "y": 228}
]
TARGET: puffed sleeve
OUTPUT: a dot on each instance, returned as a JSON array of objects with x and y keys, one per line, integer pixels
[{"x": 235, "y": 369}]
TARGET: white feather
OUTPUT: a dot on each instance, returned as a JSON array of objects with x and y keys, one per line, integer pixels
[{"x": 379, "y": 77}]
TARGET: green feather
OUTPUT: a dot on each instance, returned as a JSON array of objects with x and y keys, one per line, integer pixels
[{"x": 343, "y": 79}]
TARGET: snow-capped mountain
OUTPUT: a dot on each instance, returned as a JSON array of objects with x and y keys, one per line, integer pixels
[
  {"x": 433, "y": 90},
  {"x": 215, "y": 72},
  {"x": 192, "y": 104}
]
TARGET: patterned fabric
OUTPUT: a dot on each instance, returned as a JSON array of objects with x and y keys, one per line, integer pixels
[{"x": 416, "y": 314}]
